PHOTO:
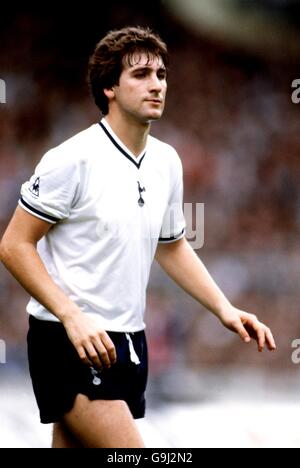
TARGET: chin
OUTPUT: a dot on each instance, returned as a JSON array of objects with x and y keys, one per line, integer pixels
[{"x": 154, "y": 116}]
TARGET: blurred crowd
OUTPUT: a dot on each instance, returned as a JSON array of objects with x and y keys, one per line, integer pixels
[{"x": 231, "y": 119}]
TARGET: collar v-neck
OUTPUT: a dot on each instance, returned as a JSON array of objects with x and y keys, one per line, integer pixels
[{"x": 137, "y": 161}]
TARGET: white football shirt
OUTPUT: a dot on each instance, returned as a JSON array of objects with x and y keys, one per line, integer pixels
[{"x": 109, "y": 210}]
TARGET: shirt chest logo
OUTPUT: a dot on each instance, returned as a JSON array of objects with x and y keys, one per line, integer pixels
[{"x": 141, "y": 190}]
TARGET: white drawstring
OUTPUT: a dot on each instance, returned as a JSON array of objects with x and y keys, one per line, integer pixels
[{"x": 133, "y": 356}]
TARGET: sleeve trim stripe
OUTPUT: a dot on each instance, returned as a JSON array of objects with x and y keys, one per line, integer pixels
[
  {"x": 36, "y": 212},
  {"x": 171, "y": 239}
]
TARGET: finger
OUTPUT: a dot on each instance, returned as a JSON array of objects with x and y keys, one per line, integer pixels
[
  {"x": 110, "y": 347},
  {"x": 93, "y": 355},
  {"x": 261, "y": 340},
  {"x": 102, "y": 353},
  {"x": 270, "y": 340},
  {"x": 257, "y": 331},
  {"x": 84, "y": 357},
  {"x": 241, "y": 330}
]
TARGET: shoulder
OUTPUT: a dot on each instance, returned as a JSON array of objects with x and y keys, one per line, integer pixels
[
  {"x": 74, "y": 150},
  {"x": 165, "y": 153},
  {"x": 157, "y": 144}
]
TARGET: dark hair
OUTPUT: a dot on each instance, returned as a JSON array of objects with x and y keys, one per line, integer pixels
[{"x": 107, "y": 62}]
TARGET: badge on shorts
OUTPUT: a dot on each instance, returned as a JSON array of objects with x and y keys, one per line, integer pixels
[{"x": 95, "y": 373}]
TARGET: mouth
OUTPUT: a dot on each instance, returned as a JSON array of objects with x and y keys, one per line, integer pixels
[{"x": 154, "y": 101}]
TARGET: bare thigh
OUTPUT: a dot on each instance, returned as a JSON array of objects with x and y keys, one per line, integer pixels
[
  {"x": 63, "y": 438},
  {"x": 103, "y": 424}
]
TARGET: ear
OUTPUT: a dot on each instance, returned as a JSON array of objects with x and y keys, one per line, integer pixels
[{"x": 109, "y": 93}]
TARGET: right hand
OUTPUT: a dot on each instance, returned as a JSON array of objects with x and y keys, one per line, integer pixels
[{"x": 92, "y": 343}]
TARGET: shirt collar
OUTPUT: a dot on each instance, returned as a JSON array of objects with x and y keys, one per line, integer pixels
[{"x": 137, "y": 161}]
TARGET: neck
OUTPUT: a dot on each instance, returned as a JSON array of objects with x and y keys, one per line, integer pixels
[{"x": 132, "y": 133}]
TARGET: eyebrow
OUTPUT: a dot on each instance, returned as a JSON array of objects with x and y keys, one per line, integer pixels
[{"x": 146, "y": 68}]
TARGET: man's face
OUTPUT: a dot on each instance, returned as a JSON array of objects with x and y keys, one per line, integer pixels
[{"x": 142, "y": 88}]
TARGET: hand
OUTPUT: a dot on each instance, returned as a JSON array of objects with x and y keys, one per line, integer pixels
[
  {"x": 248, "y": 326},
  {"x": 91, "y": 342}
]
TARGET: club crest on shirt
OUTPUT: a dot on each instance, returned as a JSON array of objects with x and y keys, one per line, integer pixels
[
  {"x": 35, "y": 187},
  {"x": 141, "y": 190}
]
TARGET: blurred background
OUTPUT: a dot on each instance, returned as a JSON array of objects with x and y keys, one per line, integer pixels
[{"x": 231, "y": 118}]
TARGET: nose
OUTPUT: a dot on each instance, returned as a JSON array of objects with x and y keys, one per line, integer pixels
[{"x": 156, "y": 84}]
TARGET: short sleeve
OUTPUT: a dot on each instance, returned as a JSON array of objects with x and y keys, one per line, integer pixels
[
  {"x": 50, "y": 192},
  {"x": 173, "y": 226}
]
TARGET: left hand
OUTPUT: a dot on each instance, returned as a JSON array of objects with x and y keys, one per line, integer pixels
[{"x": 248, "y": 326}]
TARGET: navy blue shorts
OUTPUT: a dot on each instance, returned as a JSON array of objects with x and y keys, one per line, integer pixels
[{"x": 58, "y": 375}]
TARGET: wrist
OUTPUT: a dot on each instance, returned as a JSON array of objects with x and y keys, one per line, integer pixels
[
  {"x": 221, "y": 309},
  {"x": 67, "y": 311}
]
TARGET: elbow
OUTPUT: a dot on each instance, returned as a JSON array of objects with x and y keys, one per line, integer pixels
[
  {"x": 1, "y": 250},
  {"x": 5, "y": 251}
]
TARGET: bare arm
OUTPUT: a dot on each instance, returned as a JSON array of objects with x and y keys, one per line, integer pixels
[
  {"x": 19, "y": 254},
  {"x": 182, "y": 264}
]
